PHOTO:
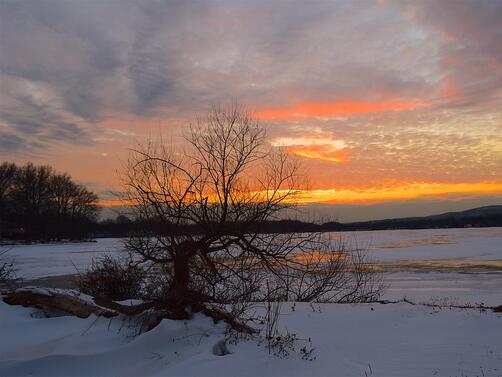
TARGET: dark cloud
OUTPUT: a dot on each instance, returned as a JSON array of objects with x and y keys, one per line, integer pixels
[
  {"x": 10, "y": 142},
  {"x": 149, "y": 65},
  {"x": 37, "y": 126},
  {"x": 470, "y": 56},
  {"x": 13, "y": 144},
  {"x": 170, "y": 54},
  {"x": 63, "y": 44},
  {"x": 67, "y": 65}
]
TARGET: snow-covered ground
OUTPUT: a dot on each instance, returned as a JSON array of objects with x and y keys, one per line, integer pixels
[
  {"x": 402, "y": 340},
  {"x": 350, "y": 340},
  {"x": 462, "y": 264}
]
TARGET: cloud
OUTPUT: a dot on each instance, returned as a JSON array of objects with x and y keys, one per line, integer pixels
[
  {"x": 177, "y": 57},
  {"x": 314, "y": 144},
  {"x": 412, "y": 89},
  {"x": 40, "y": 123},
  {"x": 403, "y": 192},
  {"x": 330, "y": 110},
  {"x": 63, "y": 44},
  {"x": 469, "y": 53},
  {"x": 323, "y": 152},
  {"x": 10, "y": 142}
]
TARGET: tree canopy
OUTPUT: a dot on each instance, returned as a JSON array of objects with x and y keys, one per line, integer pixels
[{"x": 36, "y": 203}]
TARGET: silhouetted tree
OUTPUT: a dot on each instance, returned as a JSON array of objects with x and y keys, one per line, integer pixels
[
  {"x": 72, "y": 206},
  {"x": 42, "y": 204},
  {"x": 208, "y": 207},
  {"x": 30, "y": 197},
  {"x": 7, "y": 176}
]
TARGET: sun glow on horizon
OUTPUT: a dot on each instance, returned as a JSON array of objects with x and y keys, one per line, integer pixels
[
  {"x": 378, "y": 194},
  {"x": 401, "y": 192}
]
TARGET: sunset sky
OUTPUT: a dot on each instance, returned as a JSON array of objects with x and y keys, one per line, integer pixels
[{"x": 393, "y": 107}]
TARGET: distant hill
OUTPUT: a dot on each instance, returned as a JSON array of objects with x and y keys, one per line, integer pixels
[
  {"x": 488, "y": 216},
  {"x": 481, "y": 211},
  {"x": 477, "y": 217}
]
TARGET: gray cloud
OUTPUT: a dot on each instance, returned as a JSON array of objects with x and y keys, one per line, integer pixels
[
  {"x": 10, "y": 142},
  {"x": 470, "y": 55},
  {"x": 32, "y": 123},
  {"x": 67, "y": 65}
]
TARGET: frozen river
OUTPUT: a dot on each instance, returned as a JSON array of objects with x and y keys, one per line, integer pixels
[{"x": 463, "y": 265}]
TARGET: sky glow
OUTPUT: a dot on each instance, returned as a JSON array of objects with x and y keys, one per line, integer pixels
[{"x": 381, "y": 101}]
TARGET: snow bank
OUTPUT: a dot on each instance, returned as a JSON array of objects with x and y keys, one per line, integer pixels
[{"x": 350, "y": 340}]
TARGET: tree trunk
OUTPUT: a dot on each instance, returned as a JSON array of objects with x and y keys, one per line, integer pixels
[
  {"x": 181, "y": 278},
  {"x": 179, "y": 295}
]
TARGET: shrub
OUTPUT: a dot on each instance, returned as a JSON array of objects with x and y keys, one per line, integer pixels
[
  {"x": 7, "y": 271},
  {"x": 112, "y": 278}
]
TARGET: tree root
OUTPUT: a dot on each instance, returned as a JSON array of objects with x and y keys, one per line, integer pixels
[
  {"x": 220, "y": 315},
  {"x": 151, "y": 312}
]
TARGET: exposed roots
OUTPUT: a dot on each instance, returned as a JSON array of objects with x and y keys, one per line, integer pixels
[
  {"x": 151, "y": 313},
  {"x": 48, "y": 299},
  {"x": 220, "y": 315}
]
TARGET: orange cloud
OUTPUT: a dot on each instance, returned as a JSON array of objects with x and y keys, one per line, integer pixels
[
  {"x": 324, "y": 152},
  {"x": 382, "y": 194},
  {"x": 450, "y": 89},
  {"x": 401, "y": 192},
  {"x": 115, "y": 203},
  {"x": 308, "y": 110},
  {"x": 314, "y": 144},
  {"x": 448, "y": 37}
]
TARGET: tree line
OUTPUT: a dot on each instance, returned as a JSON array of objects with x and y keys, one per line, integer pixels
[{"x": 38, "y": 203}]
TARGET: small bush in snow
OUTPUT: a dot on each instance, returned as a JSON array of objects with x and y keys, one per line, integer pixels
[
  {"x": 7, "y": 271},
  {"x": 116, "y": 279}
]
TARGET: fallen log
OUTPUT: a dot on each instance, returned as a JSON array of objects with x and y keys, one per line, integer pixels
[
  {"x": 151, "y": 313},
  {"x": 53, "y": 300}
]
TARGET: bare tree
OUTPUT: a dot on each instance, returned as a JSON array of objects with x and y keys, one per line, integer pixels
[
  {"x": 30, "y": 192},
  {"x": 38, "y": 203},
  {"x": 71, "y": 207},
  {"x": 207, "y": 208},
  {"x": 7, "y": 177},
  {"x": 335, "y": 272}
]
